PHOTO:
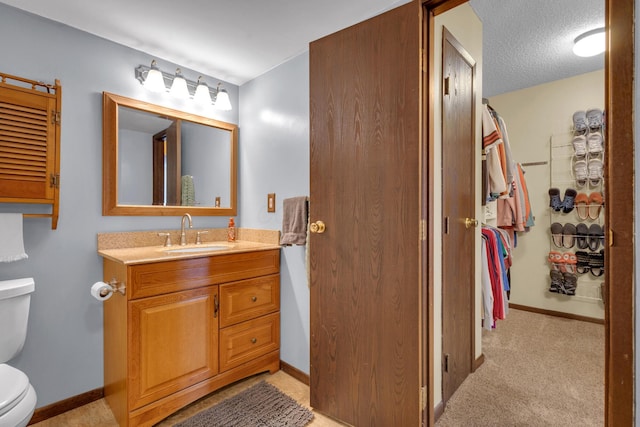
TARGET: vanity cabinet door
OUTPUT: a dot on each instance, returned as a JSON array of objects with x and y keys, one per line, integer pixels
[{"x": 174, "y": 343}]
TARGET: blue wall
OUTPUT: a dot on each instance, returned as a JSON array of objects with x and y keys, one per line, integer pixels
[
  {"x": 274, "y": 146},
  {"x": 63, "y": 352}
]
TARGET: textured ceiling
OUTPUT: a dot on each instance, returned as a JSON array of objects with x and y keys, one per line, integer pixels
[
  {"x": 529, "y": 42},
  {"x": 526, "y": 42}
]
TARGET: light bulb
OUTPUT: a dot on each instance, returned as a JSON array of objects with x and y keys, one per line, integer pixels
[
  {"x": 154, "y": 81},
  {"x": 179, "y": 87},
  {"x": 202, "y": 95},
  {"x": 222, "y": 100}
]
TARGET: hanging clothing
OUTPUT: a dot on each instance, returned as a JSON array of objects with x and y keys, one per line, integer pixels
[
  {"x": 506, "y": 181},
  {"x": 496, "y": 261}
]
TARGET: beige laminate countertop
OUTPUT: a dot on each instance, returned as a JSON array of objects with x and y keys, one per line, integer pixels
[{"x": 148, "y": 254}]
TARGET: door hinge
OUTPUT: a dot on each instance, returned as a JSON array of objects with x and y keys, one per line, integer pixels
[
  {"x": 610, "y": 237},
  {"x": 423, "y": 230},
  {"x": 423, "y": 60},
  {"x": 423, "y": 397},
  {"x": 446, "y": 225},
  {"x": 446, "y": 363},
  {"x": 55, "y": 117},
  {"x": 446, "y": 86},
  {"x": 55, "y": 180}
]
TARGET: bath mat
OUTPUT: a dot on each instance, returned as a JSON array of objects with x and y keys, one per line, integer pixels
[{"x": 260, "y": 405}]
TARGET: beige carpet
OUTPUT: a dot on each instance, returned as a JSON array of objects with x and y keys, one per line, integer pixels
[{"x": 539, "y": 371}]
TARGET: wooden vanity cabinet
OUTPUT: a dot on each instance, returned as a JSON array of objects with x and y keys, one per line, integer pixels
[{"x": 186, "y": 328}]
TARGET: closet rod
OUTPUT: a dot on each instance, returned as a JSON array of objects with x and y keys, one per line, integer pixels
[{"x": 534, "y": 163}]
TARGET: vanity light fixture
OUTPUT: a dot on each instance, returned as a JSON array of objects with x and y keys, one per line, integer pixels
[
  {"x": 590, "y": 43},
  {"x": 156, "y": 80}
]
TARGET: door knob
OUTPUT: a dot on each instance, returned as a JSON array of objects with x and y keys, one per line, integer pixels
[
  {"x": 470, "y": 222},
  {"x": 317, "y": 227}
]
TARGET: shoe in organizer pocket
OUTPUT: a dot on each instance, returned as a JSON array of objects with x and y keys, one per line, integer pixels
[
  {"x": 582, "y": 262},
  {"x": 594, "y": 171},
  {"x": 554, "y": 199},
  {"x": 594, "y": 143},
  {"x": 582, "y": 236},
  {"x": 581, "y": 204},
  {"x": 580, "y": 123},
  {"x": 596, "y": 235},
  {"x": 556, "y": 234},
  {"x": 596, "y": 201},
  {"x": 596, "y": 263},
  {"x": 568, "y": 200},
  {"x": 568, "y": 235},
  {"x": 580, "y": 145},
  {"x": 569, "y": 283},
  {"x": 594, "y": 118},
  {"x": 556, "y": 281},
  {"x": 580, "y": 171}
]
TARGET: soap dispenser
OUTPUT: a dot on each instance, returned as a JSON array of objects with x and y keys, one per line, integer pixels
[{"x": 231, "y": 232}]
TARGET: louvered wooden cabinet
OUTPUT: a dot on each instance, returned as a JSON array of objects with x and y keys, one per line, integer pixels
[{"x": 30, "y": 143}]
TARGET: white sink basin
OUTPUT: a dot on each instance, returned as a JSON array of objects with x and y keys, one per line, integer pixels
[{"x": 203, "y": 248}]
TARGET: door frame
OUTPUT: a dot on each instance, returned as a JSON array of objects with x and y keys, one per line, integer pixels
[{"x": 619, "y": 209}]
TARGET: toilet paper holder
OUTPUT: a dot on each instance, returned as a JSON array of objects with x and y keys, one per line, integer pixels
[
  {"x": 118, "y": 286},
  {"x": 102, "y": 291}
]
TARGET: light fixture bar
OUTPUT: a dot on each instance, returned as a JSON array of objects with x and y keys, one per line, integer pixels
[{"x": 142, "y": 71}]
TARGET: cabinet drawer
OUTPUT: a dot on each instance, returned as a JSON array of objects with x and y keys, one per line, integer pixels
[
  {"x": 248, "y": 299},
  {"x": 245, "y": 341},
  {"x": 170, "y": 276}
]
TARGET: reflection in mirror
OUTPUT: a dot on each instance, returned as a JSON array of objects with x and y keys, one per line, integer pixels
[{"x": 159, "y": 161}]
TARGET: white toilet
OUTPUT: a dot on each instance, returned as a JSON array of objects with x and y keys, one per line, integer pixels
[{"x": 17, "y": 396}]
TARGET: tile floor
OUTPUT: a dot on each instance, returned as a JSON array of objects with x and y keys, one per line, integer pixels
[{"x": 98, "y": 414}]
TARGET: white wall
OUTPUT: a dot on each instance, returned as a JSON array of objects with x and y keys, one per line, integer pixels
[
  {"x": 465, "y": 26},
  {"x": 533, "y": 116},
  {"x": 63, "y": 352},
  {"x": 275, "y": 144}
]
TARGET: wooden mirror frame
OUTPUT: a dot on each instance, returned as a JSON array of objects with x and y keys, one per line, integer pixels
[{"x": 110, "y": 206}]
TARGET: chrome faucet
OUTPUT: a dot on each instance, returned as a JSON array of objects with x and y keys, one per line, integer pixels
[{"x": 183, "y": 235}]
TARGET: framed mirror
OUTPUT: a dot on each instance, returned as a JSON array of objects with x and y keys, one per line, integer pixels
[{"x": 159, "y": 161}]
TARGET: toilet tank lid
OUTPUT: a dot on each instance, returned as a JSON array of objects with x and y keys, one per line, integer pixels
[{"x": 15, "y": 287}]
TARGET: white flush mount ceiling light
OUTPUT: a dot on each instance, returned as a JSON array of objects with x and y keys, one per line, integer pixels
[
  {"x": 156, "y": 80},
  {"x": 590, "y": 43}
]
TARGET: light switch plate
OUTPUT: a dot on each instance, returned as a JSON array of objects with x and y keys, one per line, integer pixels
[{"x": 271, "y": 202}]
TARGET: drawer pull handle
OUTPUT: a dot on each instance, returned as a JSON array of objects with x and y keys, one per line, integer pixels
[
  {"x": 254, "y": 299},
  {"x": 254, "y": 340}
]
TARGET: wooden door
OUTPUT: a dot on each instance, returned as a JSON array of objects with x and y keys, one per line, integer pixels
[
  {"x": 174, "y": 343},
  {"x": 365, "y": 173},
  {"x": 458, "y": 203},
  {"x": 167, "y": 166}
]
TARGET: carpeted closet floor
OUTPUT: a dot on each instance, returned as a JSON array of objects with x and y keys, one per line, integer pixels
[{"x": 538, "y": 371}]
